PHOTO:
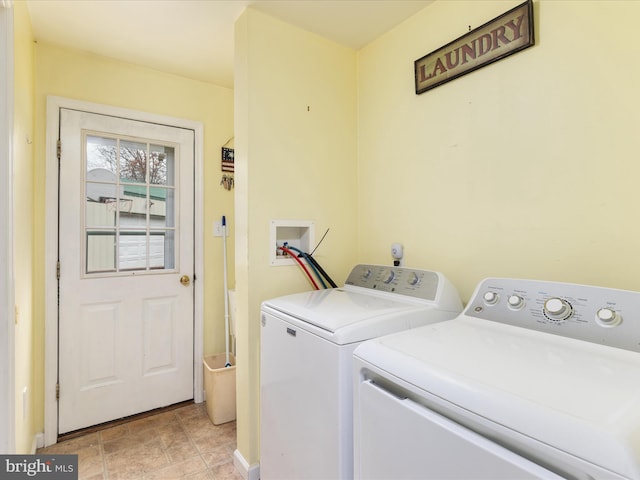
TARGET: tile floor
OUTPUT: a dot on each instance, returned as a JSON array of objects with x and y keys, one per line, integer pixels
[{"x": 176, "y": 444}]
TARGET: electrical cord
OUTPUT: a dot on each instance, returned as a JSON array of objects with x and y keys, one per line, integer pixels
[{"x": 295, "y": 257}]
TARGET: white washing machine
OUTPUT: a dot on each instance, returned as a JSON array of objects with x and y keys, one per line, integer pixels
[
  {"x": 534, "y": 380},
  {"x": 307, "y": 343}
]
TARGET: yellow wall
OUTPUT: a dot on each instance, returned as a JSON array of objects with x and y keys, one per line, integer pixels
[
  {"x": 28, "y": 416},
  {"x": 526, "y": 168},
  {"x": 74, "y": 74},
  {"x": 523, "y": 168},
  {"x": 295, "y": 145}
]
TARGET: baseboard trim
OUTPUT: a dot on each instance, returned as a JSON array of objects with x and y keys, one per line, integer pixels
[
  {"x": 247, "y": 472},
  {"x": 38, "y": 442}
]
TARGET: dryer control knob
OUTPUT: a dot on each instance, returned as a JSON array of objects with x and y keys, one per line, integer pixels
[
  {"x": 557, "y": 309},
  {"x": 608, "y": 317},
  {"x": 490, "y": 298},
  {"x": 516, "y": 302}
]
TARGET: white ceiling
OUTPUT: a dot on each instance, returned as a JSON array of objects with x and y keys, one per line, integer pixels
[{"x": 194, "y": 38}]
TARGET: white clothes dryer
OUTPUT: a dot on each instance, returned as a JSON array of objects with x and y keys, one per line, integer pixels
[
  {"x": 307, "y": 343},
  {"x": 534, "y": 380}
]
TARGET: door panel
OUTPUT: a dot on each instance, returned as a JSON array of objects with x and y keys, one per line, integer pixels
[
  {"x": 126, "y": 238},
  {"x": 160, "y": 318},
  {"x": 98, "y": 345},
  {"x": 397, "y": 438}
]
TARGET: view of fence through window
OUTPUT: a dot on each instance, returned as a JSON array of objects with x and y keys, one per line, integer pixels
[{"x": 130, "y": 205}]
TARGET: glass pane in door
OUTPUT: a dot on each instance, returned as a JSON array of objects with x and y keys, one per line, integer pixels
[
  {"x": 161, "y": 165},
  {"x": 130, "y": 205},
  {"x": 133, "y": 161},
  {"x": 101, "y": 251}
]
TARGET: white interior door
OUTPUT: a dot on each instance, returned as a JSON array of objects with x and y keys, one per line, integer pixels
[{"x": 126, "y": 263}]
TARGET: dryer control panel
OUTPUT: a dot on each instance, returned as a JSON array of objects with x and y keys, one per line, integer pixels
[
  {"x": 595, "y": 314},
  {"x": 422, "y": 284}
]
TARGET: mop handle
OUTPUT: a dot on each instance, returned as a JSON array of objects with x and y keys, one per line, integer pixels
[{"x": 226, "y": 292}]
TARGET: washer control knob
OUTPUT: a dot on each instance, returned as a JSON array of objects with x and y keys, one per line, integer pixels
[
  {"x": 516, "y": 302},
  {"x": 490, "y": 298},
  {"x": 367, "y": 273},
  {"x": 388, "y": 276},
  {"x": 608, "y": 317},
  {"x": 557, "y": 309},
  {"x": 414, "y": 279}
]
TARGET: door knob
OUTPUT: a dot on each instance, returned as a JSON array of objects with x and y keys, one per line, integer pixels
[{"x": 185, "y": 280}]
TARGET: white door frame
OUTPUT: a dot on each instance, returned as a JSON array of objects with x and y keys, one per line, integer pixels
[
  {"x": 51, "y": 248},
  {"x": 7, "y": 326}
]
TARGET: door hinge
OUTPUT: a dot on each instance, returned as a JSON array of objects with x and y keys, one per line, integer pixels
[
  {"x": 58, "y": 270},
  {"x": 57, "y": 391},
  {"x": 59, "y": 149}
]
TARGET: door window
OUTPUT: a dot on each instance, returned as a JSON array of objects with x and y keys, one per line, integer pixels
[{"x": 130, "y": 205}]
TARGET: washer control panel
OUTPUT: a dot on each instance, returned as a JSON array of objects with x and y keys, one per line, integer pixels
[
  {"x": 422, "y": 284},
  {"x": 594, "y": 314}
]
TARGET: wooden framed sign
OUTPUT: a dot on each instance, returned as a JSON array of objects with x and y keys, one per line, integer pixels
[{"x": 505, "y": 35}]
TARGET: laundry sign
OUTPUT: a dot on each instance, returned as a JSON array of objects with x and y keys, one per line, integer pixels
[{"x": 505, "y": 35}]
